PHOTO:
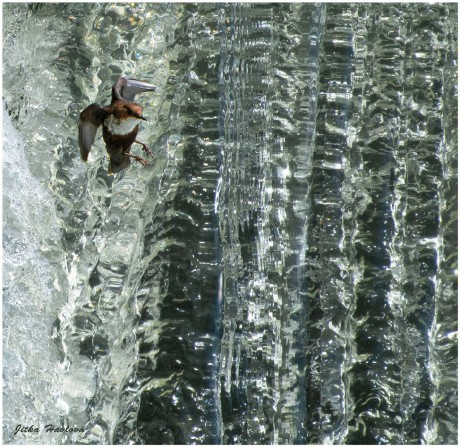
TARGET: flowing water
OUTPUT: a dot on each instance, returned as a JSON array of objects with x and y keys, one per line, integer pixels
[{"x": 285, "y": 272}]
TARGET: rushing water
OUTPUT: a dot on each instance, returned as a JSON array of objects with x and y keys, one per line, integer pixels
[{"x": 286, "y": 272}]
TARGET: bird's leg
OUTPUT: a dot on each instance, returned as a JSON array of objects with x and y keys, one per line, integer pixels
[
  {"x": 145, "y": 148},
  {"x": 141, "y": 160}
]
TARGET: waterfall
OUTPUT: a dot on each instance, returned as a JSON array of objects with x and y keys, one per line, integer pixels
[{"x": 284, "y": 273}]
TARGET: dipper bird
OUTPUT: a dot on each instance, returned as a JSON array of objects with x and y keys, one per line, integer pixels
[{"x": 120, "y": 124}]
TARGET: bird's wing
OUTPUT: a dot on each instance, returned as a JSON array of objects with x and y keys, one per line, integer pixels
[
  {"x": 127, "y": 89},
  {"x": 90, "y": 119}
]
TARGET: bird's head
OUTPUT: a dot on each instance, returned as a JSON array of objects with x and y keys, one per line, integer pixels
[{"x": 127, "y": 110}]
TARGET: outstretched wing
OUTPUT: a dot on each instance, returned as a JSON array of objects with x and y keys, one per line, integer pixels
[
  {"x": 90, "y": 119},
  {"x": 127, "y": 89}
]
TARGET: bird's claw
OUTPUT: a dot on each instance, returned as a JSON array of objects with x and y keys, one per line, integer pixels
[
  {"x": 148, "y": 151},
  {"x": 145, "y": 149},
  {"x": 141, "y": 160}
]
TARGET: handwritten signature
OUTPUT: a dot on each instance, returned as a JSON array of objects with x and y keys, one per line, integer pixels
[{"x": 48, "y": 428}]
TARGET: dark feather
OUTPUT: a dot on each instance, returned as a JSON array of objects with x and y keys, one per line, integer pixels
[
  {"x": 117, "y": 164},
  {"x": 90, "y": 120}
]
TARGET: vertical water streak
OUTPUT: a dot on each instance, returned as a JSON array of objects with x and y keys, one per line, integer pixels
[
  {"x": 375, "y": 376},
  {"x": 329, "y": 291},
  {"x": 441, "y": 124},
  {"x": 443, "y": 418},
  {"x": 395, "y": 240},
  {"x": 368, "y": 351},
  {"x": 269, "y": 67},
  {"x": 177, "y": 330}
]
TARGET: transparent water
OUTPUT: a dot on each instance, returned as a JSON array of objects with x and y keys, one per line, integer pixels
[{"x": 285, "y": 273}]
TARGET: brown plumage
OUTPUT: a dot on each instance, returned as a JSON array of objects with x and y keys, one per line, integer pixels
[{"x": 120, "y": 124}]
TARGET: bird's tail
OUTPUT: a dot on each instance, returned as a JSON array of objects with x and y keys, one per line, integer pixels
[{"x": 117, "y": 164}]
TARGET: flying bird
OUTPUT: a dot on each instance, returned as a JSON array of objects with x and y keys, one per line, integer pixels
[{"x": 120, "y": 124}]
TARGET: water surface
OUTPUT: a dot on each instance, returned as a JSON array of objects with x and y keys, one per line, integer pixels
[{"x": 286, "y": 271}]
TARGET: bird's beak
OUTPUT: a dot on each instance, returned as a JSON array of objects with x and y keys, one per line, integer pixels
[{"x": 143, "y": 118}]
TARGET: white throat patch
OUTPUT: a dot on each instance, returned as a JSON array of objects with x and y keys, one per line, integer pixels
[{"x": 121, "y": 127}]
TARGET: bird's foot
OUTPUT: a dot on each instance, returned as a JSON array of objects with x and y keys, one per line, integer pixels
[
  {"x": 141, "y": 160},
  {"x": 145, "y": 148}
]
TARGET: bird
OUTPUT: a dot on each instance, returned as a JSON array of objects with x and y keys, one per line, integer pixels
[{"x": 120, "y": 124}]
